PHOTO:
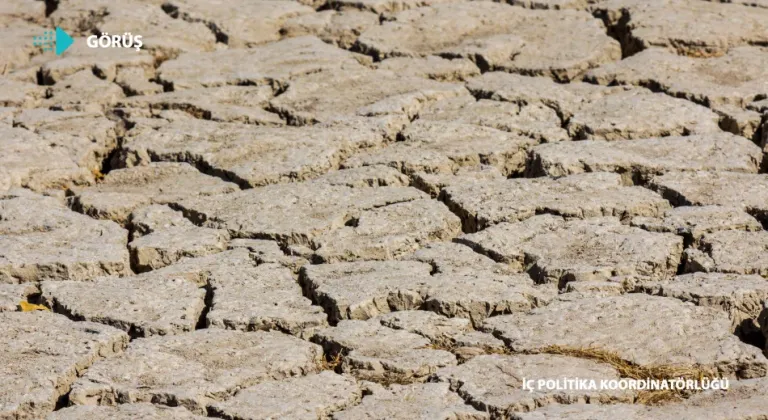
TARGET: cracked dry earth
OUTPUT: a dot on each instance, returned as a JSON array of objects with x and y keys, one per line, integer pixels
[{"x": 382, "y": 209}]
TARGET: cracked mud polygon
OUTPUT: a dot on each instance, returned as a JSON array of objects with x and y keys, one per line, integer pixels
[{"x": 383, "y": 209}]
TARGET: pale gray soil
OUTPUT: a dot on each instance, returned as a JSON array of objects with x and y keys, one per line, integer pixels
[{"x": 382, "y": 209}]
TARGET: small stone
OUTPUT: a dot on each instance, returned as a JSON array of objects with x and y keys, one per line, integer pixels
[
  {"x": 320, "y": 396},
  {"x": 43, "y": 353},
  {"x": 640, "y": 329},
  {"x": 494, "y": 383},
  {"x": 195, "y": 369},
  {"x": 406, "y": 402},
  {"x": 574, "y": 196},
  {"x": 141, "y": 306},
  {"x": 373, "y": 352}
]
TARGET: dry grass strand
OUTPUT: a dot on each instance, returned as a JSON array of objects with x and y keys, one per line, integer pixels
[{"x": 631, "y": 370}]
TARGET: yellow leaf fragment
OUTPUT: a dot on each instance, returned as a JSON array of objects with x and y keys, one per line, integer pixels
[{"x": 29, "y": 307}]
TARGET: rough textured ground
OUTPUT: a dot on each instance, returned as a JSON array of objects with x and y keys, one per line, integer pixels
[
  {"x": 556, "y": 251},
  {"x": 494, "y": 382},
  {"x": 744, "y": 400},
  {"x": 582, "y": 324},
  {"x": 383, "y": 209}
]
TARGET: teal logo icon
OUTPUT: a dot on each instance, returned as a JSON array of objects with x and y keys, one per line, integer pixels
[
  {"x": 47, "y": 41},
  {"x": 63, "y": 41},
  {"x": 51, "y": 40}
]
